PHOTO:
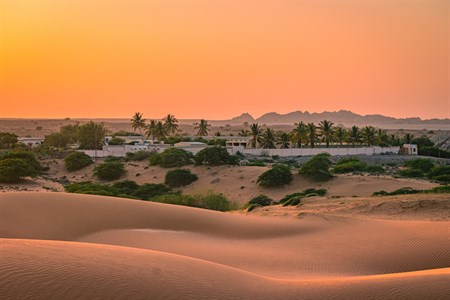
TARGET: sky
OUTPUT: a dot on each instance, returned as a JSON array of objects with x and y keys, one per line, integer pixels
[{"x": 217, "y": 59}]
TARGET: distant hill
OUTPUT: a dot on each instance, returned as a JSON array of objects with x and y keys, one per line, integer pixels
[{"x": 343, "y": 117}]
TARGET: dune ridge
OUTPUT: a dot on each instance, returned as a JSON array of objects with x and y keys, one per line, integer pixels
[{"x": 57, "y": 245}]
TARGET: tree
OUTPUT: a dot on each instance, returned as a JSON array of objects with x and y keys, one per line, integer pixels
[
  {"x": 312, "y": 134},
  {"x": 268, "y": 139},
  {"x": 138, "y": 123},
  {"x": 7, "y": 140},
  {"x": 13, "y": 170},
  {"x": 407, "y": 138},
  {"x": 217, "y": 133},
  {"x": 326, "y": 131},
  {"x": 160, "y": 131},
  {"x": 354, "y": 135},
  {"x": 300, "y": 134},
  {"x": 382, "y": 138},
  {"x": 179, "y": 177},
  {"x": 318, "y": 167},
  {"x": 151, "y": 129},
  {"x": 278, "y": 175},
  {"x": 109, "y": 170},
  {"x": 369, "y": 134},
  {"x": 284, "y": 139},
  {"x": 255, "y": 133},
  {"x": 57, "y": 140},
  {"x": 170, "y": 123},
  {"x": 91, "y": 135},
  {"x": 70, "y": 132},
  {"x": 214, "y": 156},
  {"x": 244, "y": 132},
  {"x": 171, "y": 157},
  {"x": 203, "y": 127},
  {"x": 340, "y": 135},
  {"x": 76, "y": 161}
]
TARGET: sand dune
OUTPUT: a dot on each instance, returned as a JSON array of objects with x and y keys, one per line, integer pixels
[{"x": 56, "y": 245}]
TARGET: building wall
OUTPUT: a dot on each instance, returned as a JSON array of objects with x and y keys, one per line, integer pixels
[{"x": 314, "y": 151}]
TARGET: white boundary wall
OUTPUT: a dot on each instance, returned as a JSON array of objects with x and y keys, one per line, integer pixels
[{"x": 314, "y": 151}]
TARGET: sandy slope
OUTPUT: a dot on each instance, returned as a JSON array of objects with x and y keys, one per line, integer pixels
[{"x": 79, "y": 246}]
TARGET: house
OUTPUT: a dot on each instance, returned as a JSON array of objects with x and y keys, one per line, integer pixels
[
  {"x": 409, "y": 149},
  {"x": 31, "y": 142}
]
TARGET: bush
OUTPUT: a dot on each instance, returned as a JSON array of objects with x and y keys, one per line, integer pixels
[
  {"x": 150, "y": 190},
  {"x": 76, "y": 161},
  {"x": 278, "y": 175},
  {"x": 411, "y": 173},
  {"x": 375, "y": 169},
  {"x": 214, "y": 156},
  {"x": 306, "y": 193},
  {"x": 318, "y": 167},
  {"x": 116, "y": 141},
  {"x": 438, "y": 172},
  {"x": 109, "y": 170},
  {"x": 127, "y": 187},
  {"x": 26, "y": 156},
  {"x": 442, "y": 178},
  {"x": 171, "y": 157},
  {"x": 434, "y": 152},
  {"x": 319, "y": 192},
  {"x": 179, "y": 177},
  {"x": 88, "y": 187},
  {"x": 209, "y": 201},
  {"x": 13, "y": 170},
  {"x": 349, "y": 167},
  {"x": 423, "y": 164},
  {"x": 408, "y": 190},
  {"x": 113, "y": 158},
  {"x": 139, "y": 155},
  {"x": 293, "y": 201},
  {"x": 261, "y": 200}
]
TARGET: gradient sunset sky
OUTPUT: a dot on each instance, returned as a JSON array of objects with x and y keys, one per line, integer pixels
[{"x": 217, "y": 59}]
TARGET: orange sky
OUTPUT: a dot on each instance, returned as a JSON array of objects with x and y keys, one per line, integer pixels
[{"x": 216, "y": 59}]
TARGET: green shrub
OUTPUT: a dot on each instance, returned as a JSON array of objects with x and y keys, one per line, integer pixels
[
  {"x": 439, "y": 172},
  {"x": 289, "y": 196},
  {"x": 125, "y": 187},
  {"x": 88, "y": 187},
  {"x": 318, "y": 167},
  {"x": 27, "y": 156},
  {"x": 411, "y": 173},
  {"x": 423, "y": 164},
  {"x": 116, "y": 141},
  {"x": 434, "y": 152},
  {"x": 408, "y": 190},
  {"x": 262, "y": 200},
  {"x": 319, "y": 192},
  {"x": 442, "y": 178},
  {"x": 179, "y": 177},
  {"x": 13, "y": 170},
  {"x": 375, "y": 169},
  {"x": 209, "y": 201},
  {"x": 139, "y": 155},
  {"x": 348, "y": 165},
  {"x": 214, "y": 156},
  {"x": 278, "y": 175},
  {"x": 76, "y": 161},
  {"x": 150, "y": 190},
  {"x": 113, "y": 158},
  {"x": 171, "y": 157},
  {"x": 306, "y": 193},
  {"x": 293, "y": 201},
  {"x": 176, "y": 199},
  {"x": 109, "y": 170}
]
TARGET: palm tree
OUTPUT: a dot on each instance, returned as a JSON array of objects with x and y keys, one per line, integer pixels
[
  {"x": 326, "y": 131},
  {"x": 284, "y": 139},
  {"x": 354, "y": 135},
  {"x": 300, "y": 134},
  {"x": 382, "y": 138},
  {"x": 217, "y": 133},
  {"x": 160, "y": 131},
  {"x": 170, "y": 122},
  {"x": 312, "y": 133},
  {"x": 202, "y": 127},
  {"x": 407, "y": 138},
  {"x": 138, "y": 122},
  {"x": 340, "y": 134},
  {"x": 151, "y": 129},
  {"x": 369, "y": 133},
  {"x": 244, "y": 132},
  {"x": 255, "y": 132},
  {"x": 268, "y": 139}
]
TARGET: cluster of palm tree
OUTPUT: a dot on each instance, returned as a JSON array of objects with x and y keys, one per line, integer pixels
[
  {"x": 157, "y": 130},
  {"x": 310, "y": 134}
]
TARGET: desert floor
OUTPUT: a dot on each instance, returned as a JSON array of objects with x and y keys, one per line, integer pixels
[{"x": 69, "y": 246}]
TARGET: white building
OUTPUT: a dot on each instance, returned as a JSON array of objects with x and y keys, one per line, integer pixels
[
  {"x": 409, "y": 149},
  {"x": 30, "y": 141}
]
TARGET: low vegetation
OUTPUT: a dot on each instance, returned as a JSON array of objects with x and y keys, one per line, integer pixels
[
  {"x": 349, "y": 165},
  {"x": 179, "y": 177},
  {"x": 171, "y": 158},
  {"x": 139, "y": 155},
  {"x": 409, "y": 190},
  {"x": 77, "y": 161},
  {"x": 14, "y": 170},
  {"x": 278, "y": 175},
  {"x": 215, "y": 156},
  {"x": 425, "y": 168},
  {"x": 111, "y": 170},
  {"x": 295, "y": 198},
  {"x": 210, "y": 201},
  {"x": 318, "y": 167}
]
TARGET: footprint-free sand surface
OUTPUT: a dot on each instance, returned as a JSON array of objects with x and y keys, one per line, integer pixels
[{"x": 68, "y": 246}]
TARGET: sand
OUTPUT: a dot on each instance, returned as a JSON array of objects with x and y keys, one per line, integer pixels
[{"x": 68, "y": 246}]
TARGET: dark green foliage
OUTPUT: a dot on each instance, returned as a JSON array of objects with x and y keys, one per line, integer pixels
[
  {"x": 440, "y": 173},
  {"x": 113, "y": 158},
  {"x": 179, "y": 177},
  {"x": 125, "y": 187},
  {"x": 76, "y": 161},
  {"x": 408, "y": 190},
  {"x": 91, "y": 135},
  {"x": 286, "y": 200},
  {"x": 351, "y": 166},
  {"x": 150, "y": 190},
  {"x": 318, "y": 167},
  {"x": 109, "y": 170},
  {"x": 27, "y": 156},
  {"x": 252, "y": 207},
  {"x": 217, "y": 142},
  {"x": 319, "y": 192},
  {"x": 442, "y": 178},
  {"x": 289, "y": 196},
  {"x": 434, "y": 152},
  {"x": 57, "y": 140},
  {"x": 139, "y": 155},
  {"x": 116, "y": 141},
  {"x": 375, "y": 169},
  {"x": 422, "y": 141},
  {"x": 278, "y": 175},
  {"x": 7, "y": 140},
  {"x": 214, "y": 156},
  {"x": 423, "y": 164},
  {"x": 171, "y": 157},
  {"x": 209, "y": 201},
  {"x": 13, "y": 170},
  {"x": 411, "y": 173},
  {"x": 88, "y": 187},
  {"x": 261, "y": 200},
  {"x": 293, "y": 201}
]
